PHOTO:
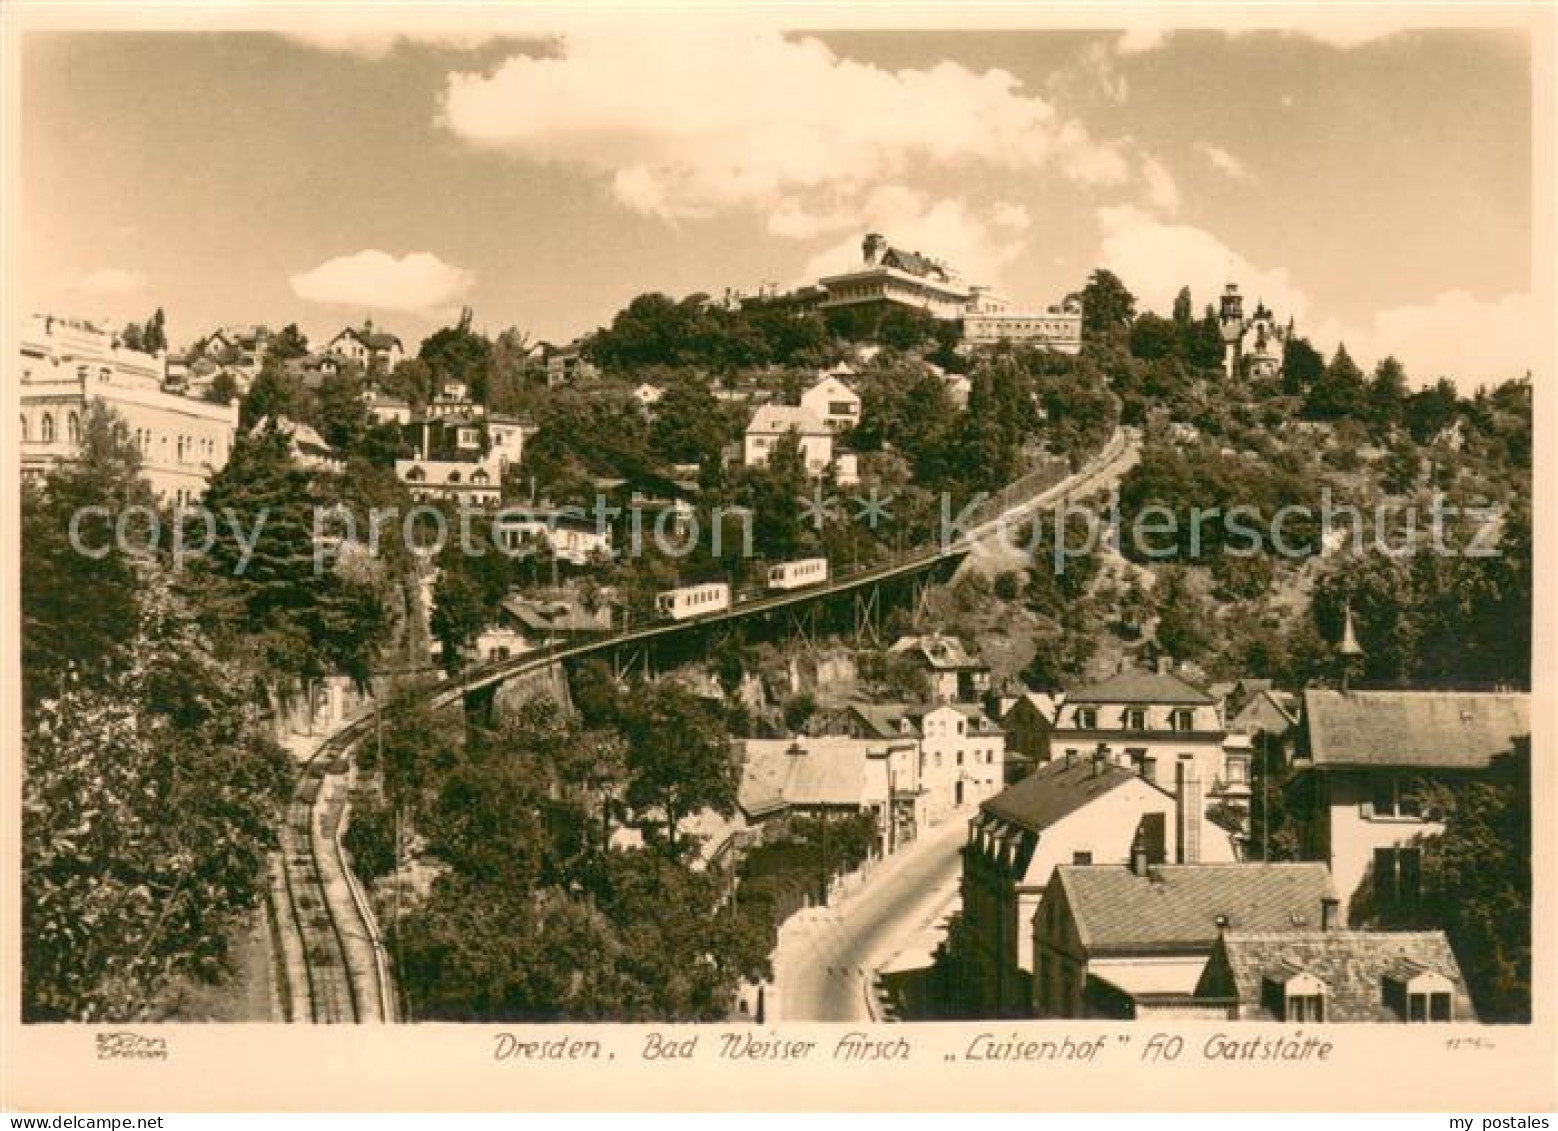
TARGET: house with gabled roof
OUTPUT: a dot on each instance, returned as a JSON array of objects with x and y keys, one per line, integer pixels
[
  {"x": 368, "y": 347},
  {"x": 833, "y": 402},
  {"x": 820, "y": 777},
  {"x": 1363, "y": 758},
  {"x": 960, "y": 751},
  {"x": 1029, "y": 720},
  {"x": 954, "y": 675},
  {"x": 525, "y": 624},
  {"x": 312, "y": 369},
  {"x": 1167, "y": 730},
  {"x": 771, "y": 423},
  {"x": 1075, "y": 811},
  {"x": 1125, "y": 941},
  {"x": 1332, "y": 975},
  {"x": 1265, "y": 711}
]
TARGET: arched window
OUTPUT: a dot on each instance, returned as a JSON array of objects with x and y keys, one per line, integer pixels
[
  {"x": 416, "y": 475},
  {"x": 454, "y": 477},
  {"x": 46, "y": 429},
  {"x": 162, "y": 448},
  {"x": 24, "y": 428},
  {"x": 73, "y": 428}
]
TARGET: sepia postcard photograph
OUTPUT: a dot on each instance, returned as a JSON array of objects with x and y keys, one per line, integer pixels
[{"x": 777, "y": 557}]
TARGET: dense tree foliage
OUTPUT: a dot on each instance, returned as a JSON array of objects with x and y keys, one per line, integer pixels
[
  {"x": 539, "y": 917},
  {"x": 150, "y": 795},
  {"x": 280, "y": 599},
  {"x": 1107, "y": 307},
  {"x": 65, "y": 637},
  {"x": 1477, "y": 882}
]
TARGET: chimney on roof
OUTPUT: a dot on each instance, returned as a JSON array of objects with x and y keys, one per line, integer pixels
[
  {"x": 1165, "y": 665},
  {"x": 1329, "y": 905},
  {"x": 1139, "y": 854},
  {"x": 1187, "y": 812}
]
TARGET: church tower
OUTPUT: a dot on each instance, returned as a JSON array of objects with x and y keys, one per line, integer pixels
[{"x": 1231, "y": 321}]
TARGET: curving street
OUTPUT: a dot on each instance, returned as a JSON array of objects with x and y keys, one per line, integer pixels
[{"x": 826, "y": 956}]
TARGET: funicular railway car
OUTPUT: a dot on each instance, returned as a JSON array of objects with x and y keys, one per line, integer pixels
[
  {"x": 693, "y": 600},
  {"x": 798, "y": 574}
]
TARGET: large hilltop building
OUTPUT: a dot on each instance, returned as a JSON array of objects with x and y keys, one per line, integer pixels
[
  {"x": 888, "y": 275},
  {"x": 69, "y": 365},
  {"x": 1251, "y": 346},
  {"x": 904, "y": 278}
]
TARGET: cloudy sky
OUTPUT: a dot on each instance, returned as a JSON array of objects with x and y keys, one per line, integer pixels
[{"x": 1374, "y": 184}]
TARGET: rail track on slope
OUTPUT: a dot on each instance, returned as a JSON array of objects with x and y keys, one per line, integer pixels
[{"x": 335, "y": 962}]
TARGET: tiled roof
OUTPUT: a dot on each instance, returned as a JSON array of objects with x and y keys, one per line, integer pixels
[
  {"x": 303, "y": 436},
  {"x": 832, "y": 384},
  {"x": 1056, "y": 790},
  {"x": 828, "y": 771},
  {"x": 1046, "y": 703},
  {"x": 1271, "y": 711},
  {"x": 1421, "y": 729},
  {"x": 1140, "y": 687},
  {"x": 557, "y": 616},
  {"x": 1352, "y": 965},
  {"x": 373, "y": 339},
  {"x": 780, "y": 418},
  {"x": 1178, "y": 906},
  {"x": 978, "y": 721},
  {"x": 915, "y": 264},
  {"x": 886, "y": 720}
]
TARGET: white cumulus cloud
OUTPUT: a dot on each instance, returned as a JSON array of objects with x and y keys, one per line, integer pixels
[
  {"x": 1223, "y": 161},
  {"x": 1455, "y": 334},
  {"x": 1162, "y": 191},
  {"x": 418, "y": 283},
  {"x": 983, "y": 240},
  {"x": 111, "y": 281},
  {"x": 713, "y": 120},
  {"x": 1155, "y": 258},
  {"x": 1472, "y": 340}
]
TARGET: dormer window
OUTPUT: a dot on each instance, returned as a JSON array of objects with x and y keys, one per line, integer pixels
[
  {"x": 1418, "y": 994},
  {"x": 1183, "y": 719},
  {"x": 1294, "y": 996},
  {"x": 1087, "y": 718},
  {"x": 1135, "y": 718}
]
